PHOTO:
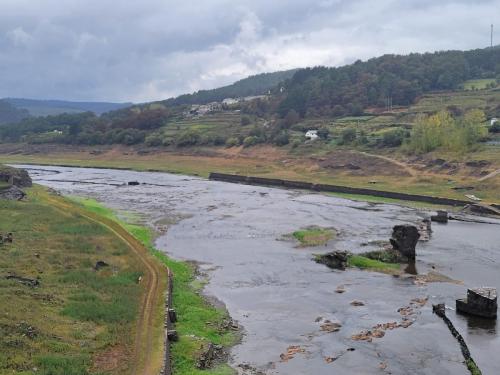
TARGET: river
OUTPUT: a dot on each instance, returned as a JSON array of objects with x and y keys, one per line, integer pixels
[{"x": 282, "y": 298}]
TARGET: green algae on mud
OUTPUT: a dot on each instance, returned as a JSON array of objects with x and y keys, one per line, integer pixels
[{"x": 198, "y": 322}]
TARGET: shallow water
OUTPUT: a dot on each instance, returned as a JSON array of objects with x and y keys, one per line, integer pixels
[{"x": 277, "y": 293}]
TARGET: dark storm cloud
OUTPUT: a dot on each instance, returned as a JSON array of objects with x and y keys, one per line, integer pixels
[{"x": 152, "y": 49}]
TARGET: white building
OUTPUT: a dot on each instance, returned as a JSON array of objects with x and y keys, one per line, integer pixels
[
  {"x": 230, "y": 101},
  {"x": 312, "y": 135},
  {"x": 493, "y": 121}
]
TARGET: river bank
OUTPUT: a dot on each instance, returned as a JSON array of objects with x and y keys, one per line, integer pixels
[
  {"x": 233, "y": 232},
  {"x": 71, "y": 299},
  {"x": 340, "y": 167}
]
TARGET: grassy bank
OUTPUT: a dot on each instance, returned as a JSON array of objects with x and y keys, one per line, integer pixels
[
  {"x": 199, "y": 323},
  {"x": 77, "y": 321}
]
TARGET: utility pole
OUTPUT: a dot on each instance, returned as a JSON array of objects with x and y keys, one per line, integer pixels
[{"x": 491, "y": 36}]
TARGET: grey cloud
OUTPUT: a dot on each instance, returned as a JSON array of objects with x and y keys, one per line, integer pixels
[{"x": 152, "y": 49}]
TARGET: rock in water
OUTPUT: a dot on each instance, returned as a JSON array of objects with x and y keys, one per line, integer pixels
[
  {"x": 441, "y": 217},
  {"x": 404, "y": 239},
  {"x": 336, "y": 259}
]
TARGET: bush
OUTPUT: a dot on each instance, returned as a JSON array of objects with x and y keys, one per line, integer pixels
[
  {"x": 153, "y": 140},
  {"x": 232, "y": 141},
  {"x": 393, "y": 138},
  {"x": 348, "y": 136},
  {"x": 188, "y": 138},
  {"x": 250, "y": 141},
  {"x": 245, "y": 120},
  {"x": 282, "y": 139},
  {"x": 323, "y": 132}
]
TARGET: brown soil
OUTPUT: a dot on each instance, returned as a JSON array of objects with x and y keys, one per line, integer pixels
[
  {"x": 111, "y": 359},
  {"x": 361, "y": 164}
]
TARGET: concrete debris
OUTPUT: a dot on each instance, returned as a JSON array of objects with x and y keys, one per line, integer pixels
[
  {"x": 440, "y": 217},
  {"x": 480, "y": 302}
]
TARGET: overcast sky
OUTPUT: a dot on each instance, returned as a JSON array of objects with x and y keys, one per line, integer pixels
[{"x": 141, "y": 50}]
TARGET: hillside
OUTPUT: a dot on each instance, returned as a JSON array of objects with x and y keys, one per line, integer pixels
[
  {"x": 385, "y": 81},
  {"x": 55, "y": 107},
  {"x": 258, "y": 84},
  {"x": 10, "y": 114}
]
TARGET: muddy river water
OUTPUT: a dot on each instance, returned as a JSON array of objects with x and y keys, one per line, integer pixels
[{"x": 282, "y": 298}]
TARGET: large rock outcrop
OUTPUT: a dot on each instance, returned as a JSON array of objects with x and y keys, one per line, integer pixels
[
  {"x": 404, "y": 240},
  {"x": 15, "y": 176},
  {"x": 12, "y": 193}
]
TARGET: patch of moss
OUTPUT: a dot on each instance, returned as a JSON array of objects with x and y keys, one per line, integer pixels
[
  {"x": 471, "y": 365},
  {"x": 314, "y": 236},
  {"x": 367, "y": 263},
  {"x": 385, "y": 256}
]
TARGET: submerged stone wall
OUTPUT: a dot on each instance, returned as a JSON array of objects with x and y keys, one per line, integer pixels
[{"x": 334, "y": 189}]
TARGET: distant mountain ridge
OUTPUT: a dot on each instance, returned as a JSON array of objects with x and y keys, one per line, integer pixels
[
  {"x": 54, "y": 107},
  {"x": 259, "y": 84}
]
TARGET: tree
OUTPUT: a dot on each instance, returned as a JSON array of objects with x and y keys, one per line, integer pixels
[
  {"x": 245, "y": 120},
  {"x": 291, "y": 118},
  {"x": 323, "y": 132},
  {"x": 348, "y": 136}
]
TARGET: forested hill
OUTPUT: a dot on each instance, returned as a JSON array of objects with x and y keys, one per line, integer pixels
[
  {"x": 55, "y": 107},
  {"x": 11, "y": 114},
  {"x": 258, "y": 84},
  {"x": 352, "y": 88}
]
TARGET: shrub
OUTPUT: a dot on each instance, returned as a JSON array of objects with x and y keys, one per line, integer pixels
[
  {"x": 153, "y": 140},
  {"x": 245, "y": 120},
  {"x": 250, "y": 141},
  {"x": 282, "y": 139},
  {"x": 348, "y": 136},
  {"x": 232, "y": 141},
  {"x": 323, "y": 132},
  {"x": 393, "y": 138},
  {"x": 189, "y": 137}
]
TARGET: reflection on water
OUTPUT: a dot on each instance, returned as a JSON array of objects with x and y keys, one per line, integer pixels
[
  {"x": 411, "y": 268},
  {"x": 479, "y": 326}
]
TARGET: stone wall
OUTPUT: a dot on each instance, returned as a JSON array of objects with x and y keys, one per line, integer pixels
[{"x": 334, "y": 189}]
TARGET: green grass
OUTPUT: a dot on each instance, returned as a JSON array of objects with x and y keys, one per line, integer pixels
[
  {"x": 198, "y": 322},
  {"x": 371, "y": 264},
  {"x": 63, "y": 365},
  {"x": 76, "y": 313},
  {"x": 478, "y": 84},
  {"x": 314, "y": 236}
]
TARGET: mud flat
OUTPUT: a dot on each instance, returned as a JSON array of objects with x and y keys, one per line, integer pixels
[{"x": 301, "y": 317}]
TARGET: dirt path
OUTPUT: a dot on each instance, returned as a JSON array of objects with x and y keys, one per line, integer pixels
[
  {"x": 490, "y": 175},
  {"x": 412, "y": 172},
  {"x": 148, "y": 344}
]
